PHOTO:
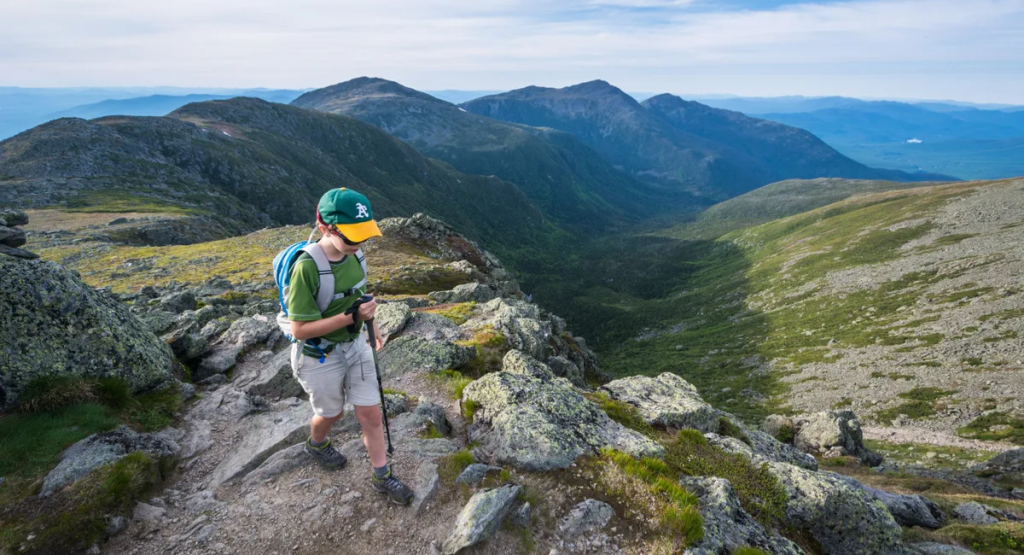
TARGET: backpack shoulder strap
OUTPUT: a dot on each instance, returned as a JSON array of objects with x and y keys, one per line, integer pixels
[
  {"x": 354, "y": 290},
  {"x": 325, "y": 293}
]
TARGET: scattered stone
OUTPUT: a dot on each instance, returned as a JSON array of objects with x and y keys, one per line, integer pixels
[
  {"x": 145, "y": 512},
  {"x": 177, "y": 303},
  {"x": 243, "y": 333},
  {"x": 202, "y": 501},
  {"x": 368, "y": 524},
  {"x": 474, "y": 473},
  {"x": 205, "y": 534},
  {"x": 188, "y": 391},
  {"x": 273, "y": 380},
  {"x": 587, "y": 517},
  {"x": 105, "y": 448},
  {"x": 480, "y": 518},
  {"x": 727, "y": 526},
  {"x": 666, "y": 400},
  {"x": 426, "y": 486},
  {"x": 834, "y": 434},
  {"x": 535, "y": 425},
  {"x": 974, "y": 513}
]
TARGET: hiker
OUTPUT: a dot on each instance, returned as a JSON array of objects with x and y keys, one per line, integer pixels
[{"x": 331, "y": 356}]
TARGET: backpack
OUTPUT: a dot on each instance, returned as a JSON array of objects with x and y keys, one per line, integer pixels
[{"x": 283, "y": 264}]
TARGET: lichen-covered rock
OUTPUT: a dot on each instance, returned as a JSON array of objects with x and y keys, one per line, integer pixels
[
  {"x": 908, "y": 510},
  {"x": 13, "y": 216},
  {"x": 467, "y": 292},
  {"x": 565, "y": 368},
  {"x": 843, "y": 519},
  {"x": 974, "y": 513},
  {"x": 12, "y": 237},
  {"x": 243, "y": 333},
  {"x": 763, "y": 448},
  {"x": 431, "y": 327},
  {"x": 727, "y": 526},
  {"x": 410, "y": 424},
  {"x": 52, "y": 323},
  {"x": 475, "y": 472},
  {"x": 272, "y": 380},
  {"x": 536, "y": 425},
  {"x": 158, "y": 321},
  {"x": 833, "y": 434},
  {"x": 666, "y": 400},
  {"x": 186, "y": 343},
  {"x": 105, "y": 448},
  {"x": 777, "y": 425},
  {"x": 178, "y": 302},
  {"x": 480, "y": 518},
  {"x": 391, "y": 318},
  {"x": 406, "y": 354},
  {"x": 522, "y": 325},
  {"x": 518, "y": 362},
  {"x": 1008, "y": 462},
  {"x": 586, "y": 517}
]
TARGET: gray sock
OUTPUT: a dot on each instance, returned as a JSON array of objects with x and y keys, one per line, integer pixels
[
  {"x": 317, "y": 444},
  {"x": 380, "y": 473}
]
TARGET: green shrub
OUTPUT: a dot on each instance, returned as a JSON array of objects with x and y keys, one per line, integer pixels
[
  {"x": 728, "y": 429},
  {"x": 759, "y": 492},
  {"x": 115, "y": 393},
  {"x": 453, "y": 380}
]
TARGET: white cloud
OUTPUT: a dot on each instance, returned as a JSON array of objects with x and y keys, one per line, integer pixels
[{"x": 638, "y": 44}]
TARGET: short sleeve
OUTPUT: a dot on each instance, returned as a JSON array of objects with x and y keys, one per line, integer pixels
[{"x": 301, "y": 299}]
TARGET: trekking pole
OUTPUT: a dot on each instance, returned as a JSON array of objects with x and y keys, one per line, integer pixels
[{"x": 376, "y": 367}]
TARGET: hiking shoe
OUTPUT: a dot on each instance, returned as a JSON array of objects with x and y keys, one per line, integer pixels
[
  {"x": 393, "y": 487},
  {"x": 328, "y": 456}
]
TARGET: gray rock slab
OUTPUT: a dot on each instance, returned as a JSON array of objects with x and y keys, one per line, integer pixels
[
  {"x": 908, "y": 510},
  {"x": 262, "y": 436},
  {"x": 405, "y": 354},
  {"x": 536, "y": 425},
  {"x": 272, "y": 380},
  {"x": 391, "y": 318},
  {"x": 475, "y": 472},
  {"x": 586, "y": 517},
  {"x": 666, "y": 400},
  {"x": 480, "y": 518},
  {"x": 279, "y": 463}
]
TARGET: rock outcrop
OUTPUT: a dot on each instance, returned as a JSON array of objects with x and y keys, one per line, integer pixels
[
  {"x": 53, "y": 324},
  {"x": 727, "y": 526},
  {"x": 540, "y": 425},
  {"x": 667, "y": 400},
  {"x": 833, "y": 434},
  {"x": 480, "y": 518}
]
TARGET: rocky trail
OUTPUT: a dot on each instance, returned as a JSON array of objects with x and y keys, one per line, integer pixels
[{"x": 511, "y": 437}]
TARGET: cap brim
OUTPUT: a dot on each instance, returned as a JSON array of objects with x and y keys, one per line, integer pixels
[{"x": 360, "y": 232}]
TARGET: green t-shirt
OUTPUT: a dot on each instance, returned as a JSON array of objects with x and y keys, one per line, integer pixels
[{"x": 305, "y": 282}]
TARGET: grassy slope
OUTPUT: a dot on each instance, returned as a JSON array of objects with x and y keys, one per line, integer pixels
[{"x": 715, "y": 311}]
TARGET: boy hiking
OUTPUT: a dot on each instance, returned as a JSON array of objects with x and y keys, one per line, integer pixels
[{"x": 331, "y": 356}]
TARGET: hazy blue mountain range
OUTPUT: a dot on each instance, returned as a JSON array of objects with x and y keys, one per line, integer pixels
[
  {"x": 968, "y": 143},
  {"x": 567, "y": 179},
  {"x": 24, "y": 108},
  {"x": 674, "y": 144}
]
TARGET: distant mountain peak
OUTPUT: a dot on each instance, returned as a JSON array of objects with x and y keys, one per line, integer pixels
[{"x": 362, "y": 87}]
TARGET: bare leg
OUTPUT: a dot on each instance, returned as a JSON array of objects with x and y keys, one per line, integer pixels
[
  {"x": 373, "y": 433},
  {"x": 319, "y": 426}
]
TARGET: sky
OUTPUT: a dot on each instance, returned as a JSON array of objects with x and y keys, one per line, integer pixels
[{"x": 970, "y": 50}]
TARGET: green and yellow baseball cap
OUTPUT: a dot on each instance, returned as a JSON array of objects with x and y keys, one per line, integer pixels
[{"x": 350, "y": 213}]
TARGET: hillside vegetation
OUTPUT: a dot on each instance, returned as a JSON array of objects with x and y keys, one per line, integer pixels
[{"x": 893, "y": 303}]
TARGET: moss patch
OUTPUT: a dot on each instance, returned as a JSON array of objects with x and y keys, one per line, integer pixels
[{"x": 997, "y": 426}]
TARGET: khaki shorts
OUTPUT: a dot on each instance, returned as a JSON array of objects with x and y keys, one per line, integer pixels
[{"x": 347, "y": 375}]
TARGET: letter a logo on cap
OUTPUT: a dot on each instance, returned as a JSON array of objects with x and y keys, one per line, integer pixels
[{"x": 363, "y": 213}]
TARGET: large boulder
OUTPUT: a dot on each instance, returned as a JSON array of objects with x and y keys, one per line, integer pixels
[
  {"x": 666, "y": 400},
  {"x": 407, "y": 354},
  {"x": 52, "y": 323},
  {"x": 727, "y": 527},
  {"x": 537, "y": 425},
  {"x": 480, "y": 518},
  {"x": 761, "y": 447},
  {"x": 908, "y": 510},
  {"x": 845, "y": 520},
  {"x": 833, "y": 434},
  {"x": 105, "y": 448},
  {"x": 522, "y": 325},
  {"x": 467, "y": 292}
]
